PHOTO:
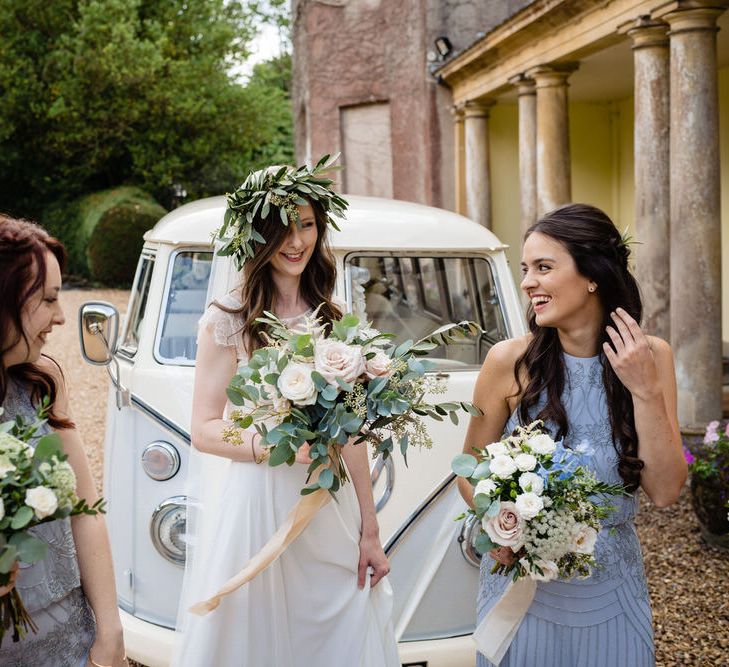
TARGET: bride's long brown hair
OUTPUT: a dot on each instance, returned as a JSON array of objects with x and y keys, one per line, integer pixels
[
  {"x": 600, "y": 255},
  {"x": 23, "y": 249},
  {"x": 258, "y": 291}
]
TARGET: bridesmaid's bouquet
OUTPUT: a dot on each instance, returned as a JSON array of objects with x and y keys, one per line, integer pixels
[
  {"x": 538, "y": 498},
  {"x": 36, "y": 486},
  {"x": 324, "y": 389}
]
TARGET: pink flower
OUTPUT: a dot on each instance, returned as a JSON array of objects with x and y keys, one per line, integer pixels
[
  {"x": 506, "y": 528},
  {"x": 711, "y": 436},
  {"x": 688, "y": 456}
]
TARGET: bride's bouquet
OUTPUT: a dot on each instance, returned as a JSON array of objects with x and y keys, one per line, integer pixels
[
  {"x": 538, "y": 498},
  {"x": 352, "y": 383},
  {"x": 36, "y": 486}
]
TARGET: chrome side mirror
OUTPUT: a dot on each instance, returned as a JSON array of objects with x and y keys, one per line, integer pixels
[{"x": 98, "y": 324}]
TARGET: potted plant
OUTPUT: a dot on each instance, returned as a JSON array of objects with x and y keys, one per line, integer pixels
[{"x": 708, "y": 463}]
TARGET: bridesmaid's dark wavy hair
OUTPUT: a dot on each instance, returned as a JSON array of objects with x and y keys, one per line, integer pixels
[
  {"x": 23, "y": 248},
  {"x": 600, "y": 255},
  {"x": 258, "y": 291}
]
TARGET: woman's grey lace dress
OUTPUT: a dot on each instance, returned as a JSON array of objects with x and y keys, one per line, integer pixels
[
  {"x": 50, "y": 589},
  {"x": 605, "y": 620}
]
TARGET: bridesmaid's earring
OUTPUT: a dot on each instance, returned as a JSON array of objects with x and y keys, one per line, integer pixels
[{"x": 591, "y": 288}]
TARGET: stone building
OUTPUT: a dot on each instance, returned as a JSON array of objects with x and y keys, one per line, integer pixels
[{"x": 619, "y": 103}]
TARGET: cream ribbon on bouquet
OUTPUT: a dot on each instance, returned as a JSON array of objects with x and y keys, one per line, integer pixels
[
  {"x": 496, "y": 631},
  {"x": 299, "y": 518}
]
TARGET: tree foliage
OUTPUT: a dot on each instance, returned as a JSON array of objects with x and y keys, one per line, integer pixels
[{"x": 98, "y": 93}]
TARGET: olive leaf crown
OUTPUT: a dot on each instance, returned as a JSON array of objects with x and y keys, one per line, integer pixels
[{"x": 284, "y": 188}]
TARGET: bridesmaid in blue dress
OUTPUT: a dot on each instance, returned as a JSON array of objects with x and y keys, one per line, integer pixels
[
  {"x": 586, "y": 369},
  {"x": 70, "y": 594}
]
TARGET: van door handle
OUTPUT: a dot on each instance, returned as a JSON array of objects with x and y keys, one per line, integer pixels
[{"x": 389, "y": 468}]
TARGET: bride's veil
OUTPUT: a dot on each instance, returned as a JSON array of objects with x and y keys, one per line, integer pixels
[{"x": 204, "y": 486}]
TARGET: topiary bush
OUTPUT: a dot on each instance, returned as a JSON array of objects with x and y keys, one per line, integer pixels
[{"x": 103, "y": 232}]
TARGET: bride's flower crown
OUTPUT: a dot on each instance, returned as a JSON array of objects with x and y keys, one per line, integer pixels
[{"x": 283, "y": 188}]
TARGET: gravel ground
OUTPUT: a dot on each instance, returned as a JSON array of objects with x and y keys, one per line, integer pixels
[{"x": 687, "y": 579}]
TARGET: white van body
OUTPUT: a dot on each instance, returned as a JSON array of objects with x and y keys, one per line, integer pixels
[{"x": 410, "y": 268}]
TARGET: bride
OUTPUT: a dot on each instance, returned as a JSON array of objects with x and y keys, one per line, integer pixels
[{"x": 325, "y": 601}]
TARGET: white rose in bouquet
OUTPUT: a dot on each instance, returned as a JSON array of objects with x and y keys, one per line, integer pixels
[
  {"x": 529, "y": 505},
  {"x": 502, "y": 466},
  {"x": 583, "y": 539},
  {"x": 496, "y": 449},
  {"x": 378, "y": 366},
  {"x": 549, "y": 568},
  {"x": 541, "y": 444},
  {"x": 334, "y": 359},
  {"x": 530, "y": 481},
  {"x": 525, "y": 461},
  {"x": 506, "y": 527},
  {"x": 5, "y": 466},
  {"x": 486, "y": 486},
  {"x": 295, "y": 384},
  {"x": 42, "y": 500}
]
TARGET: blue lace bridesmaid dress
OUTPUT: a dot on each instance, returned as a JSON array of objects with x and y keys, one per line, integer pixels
[
  {"x": 604, "y": 620},
  {"x": 50, "y": 589}
]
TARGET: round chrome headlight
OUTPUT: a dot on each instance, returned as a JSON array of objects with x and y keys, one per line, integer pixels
[
  {"x": 470, "y": 530},
  {"x": 168, "y": 529},
  {"x": 160, "y": 460}
]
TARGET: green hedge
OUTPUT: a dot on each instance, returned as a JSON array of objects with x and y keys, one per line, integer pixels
[{"x": 103, "y": 232}]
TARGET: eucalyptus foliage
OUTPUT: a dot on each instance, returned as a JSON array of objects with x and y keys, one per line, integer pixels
[{"x": 384, "y": 410}]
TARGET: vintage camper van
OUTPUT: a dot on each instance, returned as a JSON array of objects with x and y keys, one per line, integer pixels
[{"x": 408, "y": 268}]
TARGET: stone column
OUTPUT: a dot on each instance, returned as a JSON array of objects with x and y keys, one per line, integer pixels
[
  {"x": 553, "y": 141},
  {"x": 695, "y": 208},
  {"x": 652, "y": 184},
  {"x": 478, "y": 187},
  {"x": 459, "y": 154},
  {"x": 527, "y": 149}
]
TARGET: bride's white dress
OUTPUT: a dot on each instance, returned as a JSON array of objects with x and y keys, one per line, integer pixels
[{"x": 304, "y": 610}]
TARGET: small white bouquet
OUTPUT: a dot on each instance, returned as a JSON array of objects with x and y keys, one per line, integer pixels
[
  {"x": 37, "y": 485},
  {"x": 538, "y": 498}
]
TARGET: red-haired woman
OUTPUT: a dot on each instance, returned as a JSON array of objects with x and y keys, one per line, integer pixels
[{"x": 70, "y": 594}]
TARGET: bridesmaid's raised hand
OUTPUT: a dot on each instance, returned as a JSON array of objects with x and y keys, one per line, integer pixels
[{"x": 630, "y": 355}]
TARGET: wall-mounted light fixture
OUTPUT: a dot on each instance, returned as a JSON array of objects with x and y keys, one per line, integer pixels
[{"x": 443, "y": 46}]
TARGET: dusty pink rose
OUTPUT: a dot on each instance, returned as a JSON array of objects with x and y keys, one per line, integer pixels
[
  {"x": 378, "y": 366},
  {"x": 506, "y": 528},
  {"x": 334, "y": 359}
]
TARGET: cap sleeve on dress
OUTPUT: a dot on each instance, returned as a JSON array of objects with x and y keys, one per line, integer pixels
[{"x": 225, "y": 327}]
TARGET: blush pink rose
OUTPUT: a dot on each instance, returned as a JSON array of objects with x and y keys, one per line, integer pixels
[
  {"x": 378, "y": 366},
  {"x": 506, "y": 528},
  {"x": 334, "y": 359}
]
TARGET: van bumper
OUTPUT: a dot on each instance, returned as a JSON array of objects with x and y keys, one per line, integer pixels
[
  {"x": 145, "y": 642},
  {"x": 151, "y": 645}
]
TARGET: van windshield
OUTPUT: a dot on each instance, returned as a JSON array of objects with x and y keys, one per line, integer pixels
[
  {"x": 411, "y": 296},
  {"x": 187, "y": 289}
]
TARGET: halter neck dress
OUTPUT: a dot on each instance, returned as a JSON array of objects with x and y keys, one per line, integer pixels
[
  {"x": 604, "y": 620},
  {"x": 50, "y": 589}
]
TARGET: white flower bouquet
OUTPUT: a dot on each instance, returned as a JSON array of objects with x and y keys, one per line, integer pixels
[
  {"x": 538, "y": 498},
  {"x": 36, "y": 486},
  {"x": 352, "y": 384}
]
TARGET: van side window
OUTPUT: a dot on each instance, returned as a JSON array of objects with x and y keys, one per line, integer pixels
[
  {"x": 185, "y": 298},
  {"x": 411, "y": 296},
  {"x": 137, "y": 306}
]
